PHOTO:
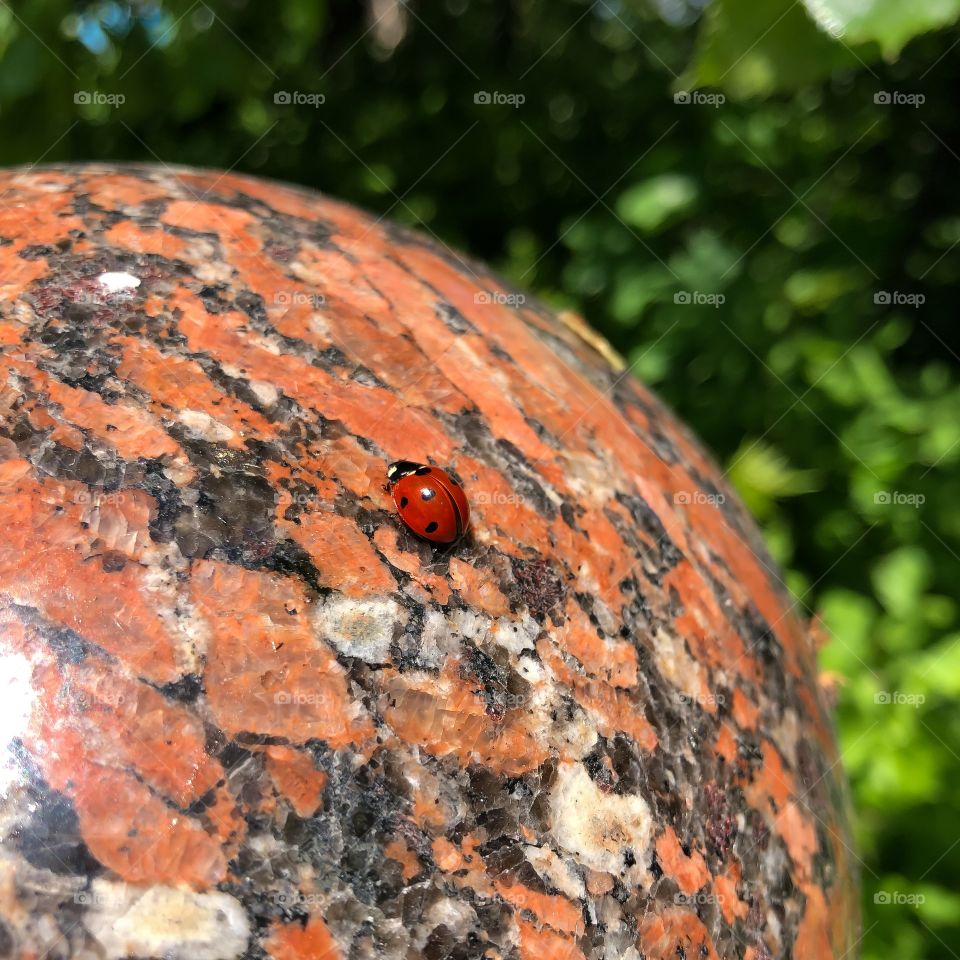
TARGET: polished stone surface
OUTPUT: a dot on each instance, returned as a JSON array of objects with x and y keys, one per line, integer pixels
[{"x": 244, "y": 712}]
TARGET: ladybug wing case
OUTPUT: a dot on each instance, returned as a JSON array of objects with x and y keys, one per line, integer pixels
[{"x": 428, "y": 508}]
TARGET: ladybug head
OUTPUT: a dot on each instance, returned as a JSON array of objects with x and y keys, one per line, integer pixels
[{"x": 401, "y": 468}]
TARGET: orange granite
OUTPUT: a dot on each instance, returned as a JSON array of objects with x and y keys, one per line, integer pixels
[{"x": 247, "y": 715}]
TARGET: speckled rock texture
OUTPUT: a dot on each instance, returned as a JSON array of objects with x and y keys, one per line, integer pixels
[{"x": 245, "y": 713}]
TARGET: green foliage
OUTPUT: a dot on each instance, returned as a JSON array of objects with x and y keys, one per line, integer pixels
[
  {"x": 759, "y": 260},
  {"x": 890, "y": 23},
  {"x": 651, "y": 204},
  {"x": 752, "y": 49}
]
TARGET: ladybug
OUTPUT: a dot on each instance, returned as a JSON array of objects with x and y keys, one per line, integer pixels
[{"x": 430, "y": 502}]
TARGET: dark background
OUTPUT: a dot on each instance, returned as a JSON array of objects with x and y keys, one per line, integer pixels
[{"x": 776, "y": 255}]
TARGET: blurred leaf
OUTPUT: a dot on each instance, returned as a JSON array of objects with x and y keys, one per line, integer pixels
[
  {"x": 900, "y": 578},
  {"x": 751, "y": 49},
  {"x": 891, "y": 23},
  {"x": 23, "y": 65},
  {"x": 636, "y": 290},
  {"x": 816, "y": 289},
  {"x": 651, "y": 204},
  {"x": 761, "y": 475},
  {"x": 651, "y": 362},
  {"x": 849, "y": 619},
  {"x": 707, "y": 263},
  {"x": 937, "y": 906},
  {"x": 939, "y": 667}
]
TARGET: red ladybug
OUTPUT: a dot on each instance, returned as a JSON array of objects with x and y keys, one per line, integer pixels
[{"x": 430, "y": 502}]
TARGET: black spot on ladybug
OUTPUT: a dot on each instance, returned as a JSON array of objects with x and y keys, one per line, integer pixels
[
  {"x": 431, "y": 526},
  {"x": 427, "y": 494},
  {"x": 422, "y": 471},
  {"x": 403, "y": 502}
]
